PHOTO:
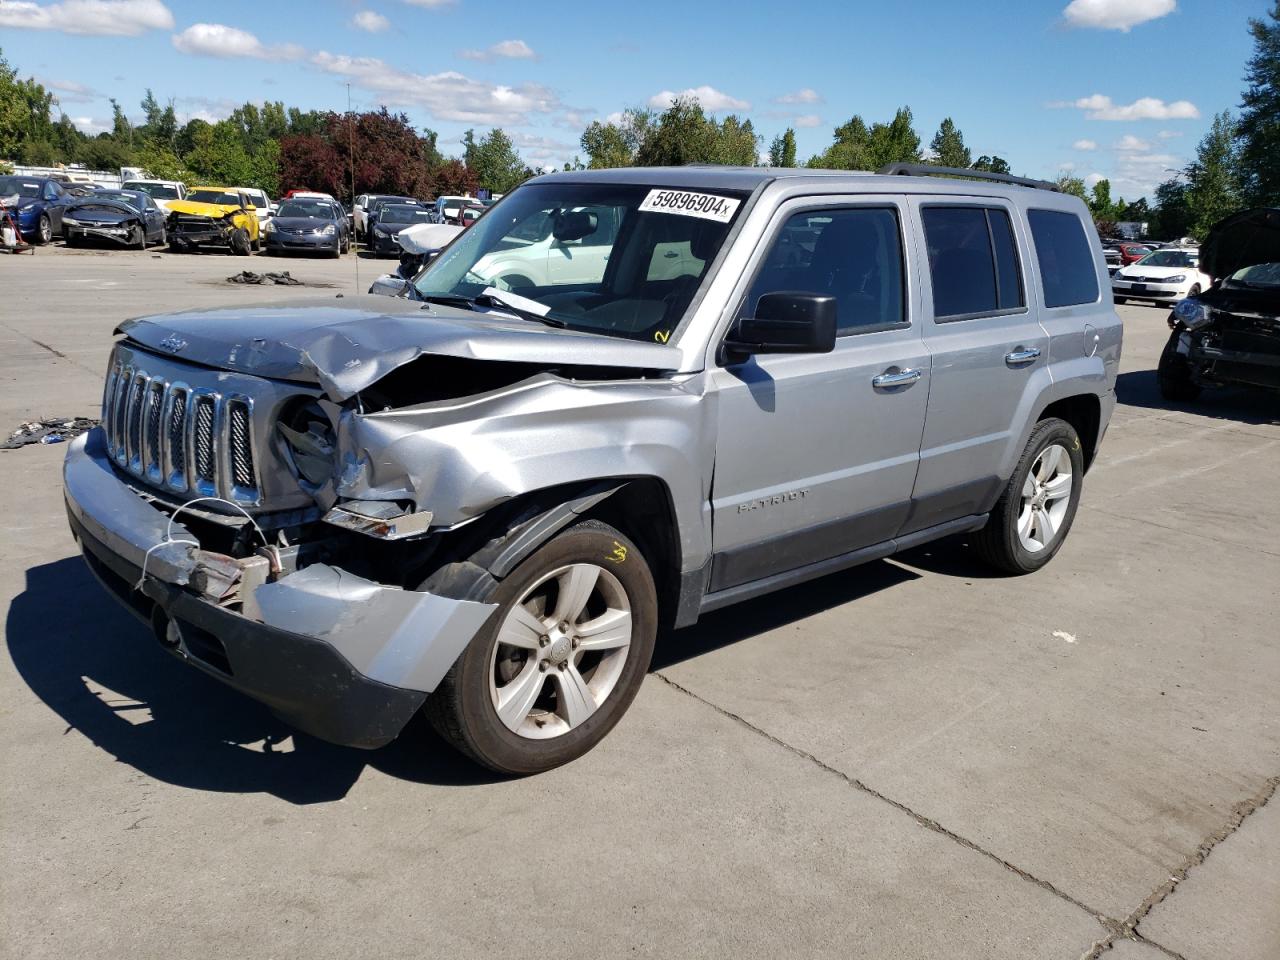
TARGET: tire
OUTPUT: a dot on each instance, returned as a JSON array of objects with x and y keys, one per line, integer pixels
[
  {"x": 240, "y": 242},
  {"x": 164, "y": 236},
  {"x": 1121, "y": 300},
  {"x": 138, "y": 237},
  {"x": 516, "y": 281},
  {"x": 178, "y": 246},
  {"x": 544, "y": 728},
  {"x": 256, "y": 244},
  {"x": 44, "y": 229},
  {"x": 1019, "y": 538},
  {"x": 1173, "y": 374},
  {"x": 71, "y": 240}
]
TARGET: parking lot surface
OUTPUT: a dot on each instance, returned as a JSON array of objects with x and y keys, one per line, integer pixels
[{"x": 914, "y": 758}]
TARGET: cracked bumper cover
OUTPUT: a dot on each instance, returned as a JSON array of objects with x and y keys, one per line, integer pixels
[{"x": 338, "y": 656}]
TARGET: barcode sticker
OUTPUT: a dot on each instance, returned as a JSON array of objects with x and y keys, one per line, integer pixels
[{"x": 707, "y": 206}]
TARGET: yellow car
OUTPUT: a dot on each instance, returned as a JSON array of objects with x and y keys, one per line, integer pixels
[{"x": 214, "y": 217}]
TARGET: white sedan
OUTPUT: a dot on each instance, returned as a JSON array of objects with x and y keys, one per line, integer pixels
[{"x": 1164, "y": 276}]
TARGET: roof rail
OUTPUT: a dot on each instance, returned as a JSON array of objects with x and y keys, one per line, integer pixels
[{"x": 929, "y": 170}]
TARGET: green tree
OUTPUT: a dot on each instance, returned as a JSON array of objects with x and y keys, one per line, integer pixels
[
  {"x": 782, "y": 152},
  {"x": 1171, "y": 218},
  {"x": 1259, "y": 125},
  {"x": 682, "y": 135},
  {"x": 161, "y": 125},
  {"x": 218, "y": 156},
  {"x": 605, "y": 145},
  {"x": 494, "y": 161},
  {"x": 1213, "y": 181},
  {"x": 991, "y": 164},
  {"x": 1073, "y": 186},
  {"x": 948, "y": 146},
  {"x": 431, "y": 154},
  {"x": 121, "y": 128},
  {"x": 162, "y": 163},
  {"x": 858, "y": 147},
  {"x": 734, "y": 142}
]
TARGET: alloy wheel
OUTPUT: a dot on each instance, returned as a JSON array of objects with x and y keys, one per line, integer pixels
[
  {"x": 1046, "y": 498},
  {"x": 560, "y": 651}
]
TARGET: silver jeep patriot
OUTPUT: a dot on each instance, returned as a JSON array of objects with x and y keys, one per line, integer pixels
[{"x": 620, "y": 400}]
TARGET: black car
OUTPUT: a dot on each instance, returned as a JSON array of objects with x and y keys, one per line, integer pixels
[
  {"x": 308, "y": 225},
  {"x": 1230, "y": 333},
  {"x": 389, "y": 220},
  {"x": 127, "y": 217}
]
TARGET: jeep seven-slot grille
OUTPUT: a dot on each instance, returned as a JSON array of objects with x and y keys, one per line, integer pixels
[{"x": 186, "y": 439}]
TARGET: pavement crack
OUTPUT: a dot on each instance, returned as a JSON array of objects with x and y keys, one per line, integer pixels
[
  {"x": 1110, "y": 924},
  {"x": 1129, "y": 928},
  {"x": 53, "y": 350}
]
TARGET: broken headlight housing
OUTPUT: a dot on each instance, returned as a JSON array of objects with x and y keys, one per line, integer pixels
[
  {"x": 1192, "y": 314},
  {"x": 309, "y": 442}
]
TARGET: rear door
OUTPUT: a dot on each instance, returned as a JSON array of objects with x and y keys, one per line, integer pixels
[
  {"x": 816, "y": 454},
  {"x": 988, "y": 347}
]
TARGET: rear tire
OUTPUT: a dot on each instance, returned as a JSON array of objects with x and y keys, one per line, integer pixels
[
  {"x": 567, "y": 679},
  {"x": 1173, "y": 374},
  {"x": 1034, "y": 514},
  {"x": 44, "y": 229}
]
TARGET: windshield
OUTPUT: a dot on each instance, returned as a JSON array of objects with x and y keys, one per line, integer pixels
[
  {"x": 19, "y": 185},
  {"x": 306, "y": 208},
  {"x": 620, "y": 260},
  {"x": 226, "y": 198},
  {"x": 403, "y": 213},
  {"x": 1171, "y": 258},
  {"x": 128, "y": 198},
  {"x": 1259, "y": 275},
  {"x": 157, "y": 191}
]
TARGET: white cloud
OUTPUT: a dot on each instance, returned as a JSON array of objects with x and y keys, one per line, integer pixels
[
  {"x": 209, "y": 109},
  {"x": 808, "y": 120},
  {"x": 431, "y": 4},
  {"x": 91, "y": 125},
  {"x": 800, "y": 96},
  {"x": 1131, "y": 144},
  {"x": 219, "y": 40},
  {"x": 1066, "y": 167},
  {"x": 446, "y": 96},
  {"x": 1100, "y": 107},
  {"x": 506, "y": 49},
  {"x": 1093, "y": 178},
  {"x": 710, "y": 98},
  {"x": 68, "y": 91},
  {"x": 370, "y": 21},
  {"x": 1122, "y": 15},
  {"x": 103, "y": 18},
  {"x": 1085, "y": 145},
  {"x": 1169, "y": 134},
  {"x": 616, "y": 118}
]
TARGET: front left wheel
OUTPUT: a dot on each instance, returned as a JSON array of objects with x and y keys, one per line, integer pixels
[{"x": 560, "y": 660}]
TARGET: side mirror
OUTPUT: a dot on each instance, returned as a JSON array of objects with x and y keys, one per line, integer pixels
[
  {"x": 390, "y": 285},
  {"x": 785, "y": 322},
  {"x": 573, "y": 225}
]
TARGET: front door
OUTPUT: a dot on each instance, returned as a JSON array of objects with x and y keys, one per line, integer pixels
[{"x": 816, "y": 454}]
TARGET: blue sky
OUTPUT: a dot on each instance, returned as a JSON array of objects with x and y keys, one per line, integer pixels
[{"x": 1118, "y": 88}]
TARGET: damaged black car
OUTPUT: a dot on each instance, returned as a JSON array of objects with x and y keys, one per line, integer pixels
[
  {"x": 127, "y": 217},
  {"x": 1230, "y": 334}
]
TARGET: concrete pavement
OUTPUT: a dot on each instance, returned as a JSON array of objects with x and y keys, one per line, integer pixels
[{"x": 910, "y": 759}]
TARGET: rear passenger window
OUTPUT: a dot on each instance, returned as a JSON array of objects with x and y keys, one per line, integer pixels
[
  {"x": 973, "y": 262},
  {"x": 1067, "y": 271},
  {"x": 854, "y": 255}
]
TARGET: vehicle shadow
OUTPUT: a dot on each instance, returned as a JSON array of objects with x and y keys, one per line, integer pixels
[
  {"x": 723, "y": 628},
  {"x": 100, "y": 670},
  {"x": 1138, "y": 388}
]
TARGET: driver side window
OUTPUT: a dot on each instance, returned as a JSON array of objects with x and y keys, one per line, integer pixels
[{"x": 854, "y": 255}]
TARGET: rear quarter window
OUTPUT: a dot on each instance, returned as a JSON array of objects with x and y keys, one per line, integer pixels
[{"x": 1067, "y": 272}]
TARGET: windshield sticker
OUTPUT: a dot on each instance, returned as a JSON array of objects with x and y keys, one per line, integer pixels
[
  {"x": 706, "y": 206},
  {"x": 662, "y": 336}
]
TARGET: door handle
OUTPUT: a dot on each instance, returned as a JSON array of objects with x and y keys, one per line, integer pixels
[
  {"x": 671, "y": 254},
  {"x": 900, "y": 379},
  {"x": 1022, "y": 356}
]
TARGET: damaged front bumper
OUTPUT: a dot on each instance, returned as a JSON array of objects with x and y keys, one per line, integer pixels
[{"x": 334, "y": 654}]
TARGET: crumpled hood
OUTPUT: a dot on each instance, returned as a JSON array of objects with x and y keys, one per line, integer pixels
[
  {"x": 1241, "y": 240},
  {"x": 348, "y": 347},
  {"x": 214, "y": 211},
  {"x": 102, "y": 211}
]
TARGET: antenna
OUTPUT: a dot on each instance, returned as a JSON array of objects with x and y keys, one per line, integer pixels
[{"x": 351, "y": 137}]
